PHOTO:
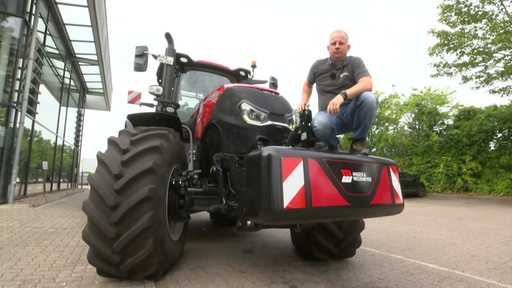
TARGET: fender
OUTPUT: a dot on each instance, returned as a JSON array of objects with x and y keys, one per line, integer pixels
[{"x": 158, "y": 119}]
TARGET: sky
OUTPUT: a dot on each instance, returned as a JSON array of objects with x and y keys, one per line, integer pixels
[{"x": 284, "y": 37}]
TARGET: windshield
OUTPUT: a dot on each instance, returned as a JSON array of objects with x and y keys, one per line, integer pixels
[{"x": 194, "y": 85}]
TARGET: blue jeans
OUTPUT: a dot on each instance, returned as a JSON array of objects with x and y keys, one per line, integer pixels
[{"x": 355, "y": 117}]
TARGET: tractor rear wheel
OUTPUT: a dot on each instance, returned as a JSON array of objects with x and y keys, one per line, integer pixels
[
  {"x": 328, "y": 241},
  {"x": 135, "y": 227}
]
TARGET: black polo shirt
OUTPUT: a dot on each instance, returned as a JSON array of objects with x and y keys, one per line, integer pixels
[{"x": 330, "y": 80}]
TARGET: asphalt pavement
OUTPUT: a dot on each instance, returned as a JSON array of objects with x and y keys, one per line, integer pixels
[{"x": 438, "y": 241}]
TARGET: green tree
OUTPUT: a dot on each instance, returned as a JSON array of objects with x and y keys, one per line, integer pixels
[
  {"x": 426, "y": 115},
  {"x": 468, "y": 138},
  {"x": 475, "y": 44},
  {"x": 495, "y": 176},
  {"x": 480, "y": 139},
  {"x": 41, "y": 151},
  {"x": 386, "y": 135},
  {"x": 67, "y": 163},
  {"x": 451, "y": 147},
  {"x": 410, "y": 129}
]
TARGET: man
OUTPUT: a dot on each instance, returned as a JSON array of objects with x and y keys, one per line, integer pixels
[{"x": 345, "y": 101}]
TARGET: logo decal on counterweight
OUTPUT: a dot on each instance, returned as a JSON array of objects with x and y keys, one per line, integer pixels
[{"x": 348, "y": 176}]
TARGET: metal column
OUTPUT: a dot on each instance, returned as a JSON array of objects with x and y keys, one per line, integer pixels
[{"x": 24, "y": 101}]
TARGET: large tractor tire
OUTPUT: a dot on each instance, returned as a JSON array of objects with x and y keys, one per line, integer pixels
[
  {"x": 328, "y": 241},
  {"x": 135, "y": 228}
]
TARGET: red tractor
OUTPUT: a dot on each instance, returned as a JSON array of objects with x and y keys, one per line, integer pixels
[{"x": 219, "y": 142}]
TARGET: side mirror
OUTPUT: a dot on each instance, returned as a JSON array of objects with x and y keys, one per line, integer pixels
[
  {"x": 272, "y": 83},
  {"x": 140, "y": 63}
]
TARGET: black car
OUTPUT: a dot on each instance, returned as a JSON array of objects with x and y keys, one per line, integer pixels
[{"x": 412, "y": 185}]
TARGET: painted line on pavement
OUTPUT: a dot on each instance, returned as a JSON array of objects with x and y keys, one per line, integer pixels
[{"x": 438, "y": 267}]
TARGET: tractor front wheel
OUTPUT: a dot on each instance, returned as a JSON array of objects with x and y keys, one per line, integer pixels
[
  {"x": 135, "y": 227},
  {"x": 328, "y": 241}
]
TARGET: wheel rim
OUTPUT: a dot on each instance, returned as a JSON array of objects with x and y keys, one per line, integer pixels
[{"x": 174, "y": 227}]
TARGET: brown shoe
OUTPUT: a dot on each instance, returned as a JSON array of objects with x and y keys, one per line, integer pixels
[{"x": 357, "y": 147}]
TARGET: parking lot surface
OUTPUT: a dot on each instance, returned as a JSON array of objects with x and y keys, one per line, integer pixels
[{"x": 438, "y": 241}]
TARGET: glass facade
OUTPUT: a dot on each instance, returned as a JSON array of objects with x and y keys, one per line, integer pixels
[
  {"x": 11, "y": 46},
  {"x": 54, "y": 98}
]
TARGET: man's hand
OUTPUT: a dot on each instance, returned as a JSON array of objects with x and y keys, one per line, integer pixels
[
  {"x": 302, "y": 106},
  {"x": 335, "y": 104}
]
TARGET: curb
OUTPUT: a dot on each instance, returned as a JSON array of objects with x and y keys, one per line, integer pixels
[{"x": 41, "y": 199}]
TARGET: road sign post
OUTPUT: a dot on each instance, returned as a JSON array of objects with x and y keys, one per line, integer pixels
[{"x": 45, "y": 167}]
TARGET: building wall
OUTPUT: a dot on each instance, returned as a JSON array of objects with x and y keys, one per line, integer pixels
[{"x": 53, "y": 123}]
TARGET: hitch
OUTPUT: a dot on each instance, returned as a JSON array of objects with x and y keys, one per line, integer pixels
[{"x": 195, "y": 193}]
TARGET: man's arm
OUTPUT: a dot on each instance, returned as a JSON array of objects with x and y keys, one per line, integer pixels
[
  {"x": 364, "y": 84},
  {"x": 307, "y": 89}
]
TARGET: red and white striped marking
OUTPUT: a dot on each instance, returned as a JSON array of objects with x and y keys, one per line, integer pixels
[
  {"x": 294, "y": 192},
  {"x": 397, "y": 189},
  {"x": 134, "y": 97},
  {"x": 383, "y": 194}
]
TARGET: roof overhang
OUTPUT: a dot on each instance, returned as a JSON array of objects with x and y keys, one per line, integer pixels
[{"x": 79, "y": 31}]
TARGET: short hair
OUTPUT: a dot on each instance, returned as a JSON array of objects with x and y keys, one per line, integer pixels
[{"x": 338, "y": 31}]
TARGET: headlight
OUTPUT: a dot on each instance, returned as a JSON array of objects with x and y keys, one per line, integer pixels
[{"x": 253, "y": 115}]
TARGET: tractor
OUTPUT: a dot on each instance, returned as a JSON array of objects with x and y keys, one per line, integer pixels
[{"x": 223, "y": 143}]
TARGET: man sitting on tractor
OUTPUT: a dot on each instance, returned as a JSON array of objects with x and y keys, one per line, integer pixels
[{"x": 345, "y": 101}]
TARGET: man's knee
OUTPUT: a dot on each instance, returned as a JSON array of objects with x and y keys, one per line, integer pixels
[
  {"x": 368, "y": 98},
  {"x": 322, "y": 119},
  {"x": 322, "y": 124}
]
